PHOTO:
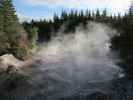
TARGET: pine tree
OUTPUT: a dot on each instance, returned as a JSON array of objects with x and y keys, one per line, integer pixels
[
  {"x": 98, "y": 16},
  {"x": 1, "y": 17},
  {"x": 97, "y": 13},
  {"x": 10, "y": 19},
  {"x": 10, "y": 29},
  {"x": 131, "y": 10},
  {"x": 104, "y": 14}
]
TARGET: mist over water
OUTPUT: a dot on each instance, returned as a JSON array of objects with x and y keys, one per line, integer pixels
[{"x": 70, "y": 61}]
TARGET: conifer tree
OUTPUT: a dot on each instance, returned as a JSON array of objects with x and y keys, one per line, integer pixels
[
  {"x": 12, "y": 32},
  {"x": 104, "y": 14},
  {"x": 131, "y": 9},
  {"x": 1, "y": 17},
  {"x": 10, "y": 19}
]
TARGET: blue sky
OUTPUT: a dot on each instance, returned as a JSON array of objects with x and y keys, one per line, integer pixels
[{"x": 39, "y": 9}]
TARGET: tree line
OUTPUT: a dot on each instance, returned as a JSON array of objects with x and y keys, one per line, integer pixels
[{"x": 49, "y": 28}]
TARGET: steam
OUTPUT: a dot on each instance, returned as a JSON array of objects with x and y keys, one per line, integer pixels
[{"x": 70, "y": 61}]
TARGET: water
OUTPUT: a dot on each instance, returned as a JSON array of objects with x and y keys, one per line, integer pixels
[{"x": 72, "y": 65}]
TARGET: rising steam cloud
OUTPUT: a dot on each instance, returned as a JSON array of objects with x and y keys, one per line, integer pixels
[{"x": 69, "y": 61}]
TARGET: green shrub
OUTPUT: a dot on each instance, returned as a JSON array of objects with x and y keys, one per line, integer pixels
[{"x": 20, "y": 53}]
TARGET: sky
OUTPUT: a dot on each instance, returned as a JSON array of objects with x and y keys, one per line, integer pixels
[{"x": 40, "y": 9}]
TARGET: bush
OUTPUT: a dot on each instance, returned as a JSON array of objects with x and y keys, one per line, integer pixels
[{"x": 20, "y": 53}]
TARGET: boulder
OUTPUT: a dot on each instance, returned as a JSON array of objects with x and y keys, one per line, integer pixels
[
  {"x": 8, "y": 62},
  {"x": 98, "y": 96}
]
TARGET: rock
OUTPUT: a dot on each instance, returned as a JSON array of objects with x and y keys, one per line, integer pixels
[
  {"x": 98, "y": 96},
  {"x": 8, "y": 62}
]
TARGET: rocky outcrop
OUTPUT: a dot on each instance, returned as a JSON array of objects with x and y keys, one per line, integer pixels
[{"x": 9, "y": 63}]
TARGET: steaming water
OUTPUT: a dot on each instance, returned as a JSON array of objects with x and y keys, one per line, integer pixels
[{"x": 74, "y": 63}]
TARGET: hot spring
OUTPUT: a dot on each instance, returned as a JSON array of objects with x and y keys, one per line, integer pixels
[{"x": 76, "y": 63}]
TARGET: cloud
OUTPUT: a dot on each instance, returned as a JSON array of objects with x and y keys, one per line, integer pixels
[
  {"x": 116, "y": 4},
  {"x": 23, "y": 18}
]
